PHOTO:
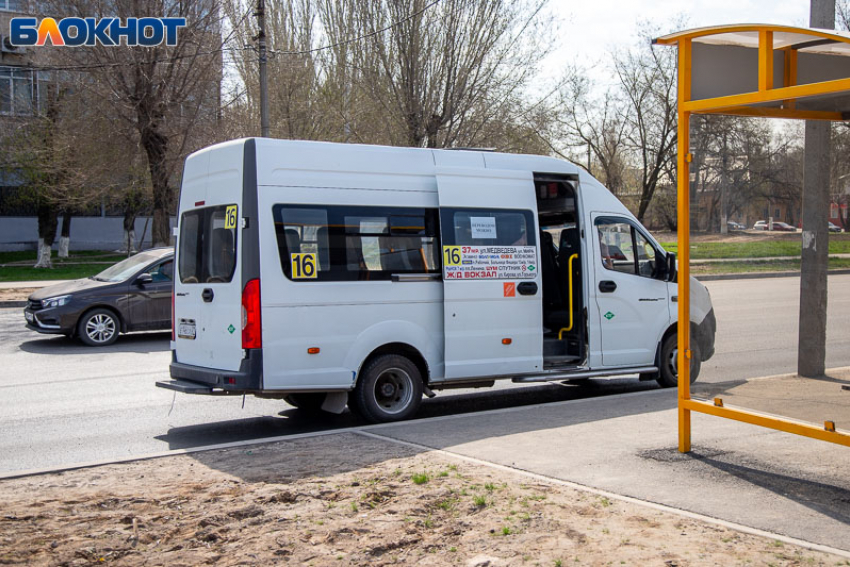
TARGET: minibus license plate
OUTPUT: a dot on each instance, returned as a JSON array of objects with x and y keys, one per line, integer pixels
[{"x": 186, "y": 329}]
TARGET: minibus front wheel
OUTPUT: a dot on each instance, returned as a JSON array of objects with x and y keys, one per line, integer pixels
[
  {"x": 668, "y": 375},
  {"x": 389, "y": 389}
]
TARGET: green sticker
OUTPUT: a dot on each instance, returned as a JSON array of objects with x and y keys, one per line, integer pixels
[
  {"x": 231, "y": 328},
  {"x": 609, "y": 315},
  {"x": 531, "y": 268}
]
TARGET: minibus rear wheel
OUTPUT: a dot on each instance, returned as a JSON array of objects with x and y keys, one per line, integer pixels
[
  {"x": 389, "y": 389},
  {"x": 668, "y": 375}
]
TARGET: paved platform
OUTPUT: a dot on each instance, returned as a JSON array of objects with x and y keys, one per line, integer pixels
[{"x": 760, "y": 478}]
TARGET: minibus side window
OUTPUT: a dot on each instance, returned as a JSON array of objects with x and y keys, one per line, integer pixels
[
  {"x": 645, "y": 255},
  {"x": 207, "y": 245},
  {"x": 347, "y": 243},
  {"x": 623, "y": 248},
  {"x": 615, "y": 245},
  {"x": 488, "y": 227}
]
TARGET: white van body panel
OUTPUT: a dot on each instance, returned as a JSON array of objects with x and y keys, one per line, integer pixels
[
  {"x": 345, "y": 320},
  {"x": 455, "y": 329}
]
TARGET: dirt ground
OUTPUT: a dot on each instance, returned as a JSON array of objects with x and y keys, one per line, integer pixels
[
  {"x": 15, "y": 294},
  {"x": 347, "y": 499}
]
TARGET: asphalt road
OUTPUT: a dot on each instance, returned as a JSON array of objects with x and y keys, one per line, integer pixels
[{"x": 63, "y": 403}]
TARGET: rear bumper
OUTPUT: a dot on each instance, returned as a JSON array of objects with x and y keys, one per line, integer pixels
[{"x": 211, "y": 381}]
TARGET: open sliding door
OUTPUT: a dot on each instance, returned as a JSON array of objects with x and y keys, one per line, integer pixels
[{"x": 492, "y": 288}]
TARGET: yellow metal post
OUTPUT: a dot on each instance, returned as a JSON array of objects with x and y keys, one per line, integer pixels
[
  {"x": 684, "y": 227},
  {"x": 765, "y": 60}
]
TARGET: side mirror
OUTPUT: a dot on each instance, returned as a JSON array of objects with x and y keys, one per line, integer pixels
[
  {"x": 659, "y": 266},
  {"x": 671, "y": 267},
  {"x": 143, "y": 279}
]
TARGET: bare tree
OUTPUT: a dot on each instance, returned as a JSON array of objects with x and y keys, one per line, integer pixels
[
  {"x": 444, "y": 65},
  {"x": 595, "y": 123},
  {"x": 629, "y": 128},
  {"x": 59, "y": 160},
  {"x": 419, "y": 73},
  {"x": 647, "y": 78},
  {"x": 162, "y": 92}
]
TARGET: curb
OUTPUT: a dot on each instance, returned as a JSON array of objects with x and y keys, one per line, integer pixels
[{"x": 4, "y": 304}]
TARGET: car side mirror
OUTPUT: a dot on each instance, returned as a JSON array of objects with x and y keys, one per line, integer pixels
[
  {"x": 143, "y": 279},
  {"x": 671, "y": 267},
  {"x": 660, "y": 267}
]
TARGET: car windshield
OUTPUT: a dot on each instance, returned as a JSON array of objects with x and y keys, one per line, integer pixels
[{"x": 126, "y": 268}]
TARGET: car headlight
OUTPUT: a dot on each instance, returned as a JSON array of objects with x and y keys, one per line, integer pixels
[{"x": 56, "y": 301}]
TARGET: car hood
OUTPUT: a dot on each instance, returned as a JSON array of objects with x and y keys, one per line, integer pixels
[{"x": 68, "y": 288}]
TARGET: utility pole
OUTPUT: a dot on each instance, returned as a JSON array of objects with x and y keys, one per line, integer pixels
[
  {"x": 811, "y": 353},
  {"x": 724, "y": 180},
  {"x": 264, "y": 83}
]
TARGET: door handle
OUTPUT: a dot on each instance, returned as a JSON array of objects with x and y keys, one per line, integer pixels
[
  {"x": 607, "y": 286},
  {"x": 527, "y": 288},
  {"x": 207, "y": 295}
]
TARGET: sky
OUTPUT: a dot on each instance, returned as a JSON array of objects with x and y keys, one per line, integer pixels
[{"x": 589, "y": 29}]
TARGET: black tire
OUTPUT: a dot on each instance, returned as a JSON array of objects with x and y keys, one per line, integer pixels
[
  {"x": 98, "y": 327},
  {"x": 668, "y": 375},
  {"x": 306, "y": 402},
  {"x": 389, "y": 389}
]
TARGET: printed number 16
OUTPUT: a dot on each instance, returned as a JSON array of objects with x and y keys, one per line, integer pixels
[
  {"x": 230, "y": 217},
  {"x": 304, "y": 265},
  {"x": 452, "y": 256}
]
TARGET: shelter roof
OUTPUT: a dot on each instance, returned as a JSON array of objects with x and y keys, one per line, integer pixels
[{"x": 764, "y": 70}]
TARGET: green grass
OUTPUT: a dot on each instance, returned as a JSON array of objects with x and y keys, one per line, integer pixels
[
  {"x": 838, "y": 244},
  {"x": 18, "y": 266},
  {"x": 81, "y": 255},
  {"x": 766, "y": 266},
  {"x": 420, "y": 478}
]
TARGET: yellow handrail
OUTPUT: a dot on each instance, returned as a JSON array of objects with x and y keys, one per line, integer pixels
[{"x": 570, "y": 328}]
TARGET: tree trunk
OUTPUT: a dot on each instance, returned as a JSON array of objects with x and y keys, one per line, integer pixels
[
  {"x": 48, "y": 218},
  {"x": 129, "y": 242},
  {"x": 129, "y": 233},
  {"x": 65, "y": 237},
  {"x": 155, "y": 144}
]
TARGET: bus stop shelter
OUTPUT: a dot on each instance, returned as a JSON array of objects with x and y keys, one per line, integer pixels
[{"x": 750, "y": 70}]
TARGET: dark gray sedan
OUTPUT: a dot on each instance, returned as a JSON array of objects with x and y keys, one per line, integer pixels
[{"x": 132, "y": 295}]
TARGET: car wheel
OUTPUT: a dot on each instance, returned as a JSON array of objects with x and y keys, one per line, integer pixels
[
  {"x": 98, "y": 327},
  {"x": 668, "y": 375},
  {"x": 389, "y": 389},
  {"x": 306, "y": 402}
]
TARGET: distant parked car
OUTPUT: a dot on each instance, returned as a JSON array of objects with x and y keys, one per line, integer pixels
[
  {"x": 132, "y": 295},
  {"x": 732, "y": 225},
  {"x": 834, "y": 227},
  {"x": 777, "y": 225},
  {"x": 783, "y": 227}
]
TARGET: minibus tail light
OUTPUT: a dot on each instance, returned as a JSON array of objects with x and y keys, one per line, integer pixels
[{"x": 251, "y": 321}]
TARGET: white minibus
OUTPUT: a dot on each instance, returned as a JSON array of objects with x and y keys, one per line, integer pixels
[{"x": 332, "y": 274}]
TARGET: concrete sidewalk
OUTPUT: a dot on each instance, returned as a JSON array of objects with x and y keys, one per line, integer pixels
[{"x": 627, "y": 445}]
